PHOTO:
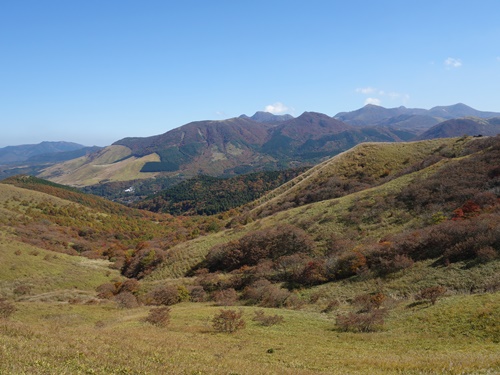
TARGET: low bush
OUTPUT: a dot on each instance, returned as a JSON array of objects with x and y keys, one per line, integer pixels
[
  {"x": 159, "y": 316},
  {"x": 331, "y": 306},
  {"x": 369, "y": 302},
  {"x": 22, "y": 290},
  {"x": 165, "y": 295},
  {"x": 431, "y": 293},
  {"x": 106, "y": 290},
  {"x": 126, "y": 300},
  {"x": 228, "y": 321},
  {"x": 6, "y": 309},
  {"x": 267, "y": 320},
  {"x": 264, "y": 293},
  {"x": 361, "y": 322},
  {"x": 197, "y": 293},
  {"x": 226, "y": 297}
]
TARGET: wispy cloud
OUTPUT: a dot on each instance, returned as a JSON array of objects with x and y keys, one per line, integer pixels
[
  {"x": 375, "y": 96},
  {"x": 374, "y": 101},
  {"x": 451, "y": 62},
  {"x": 366, "y": 90},
  {"x": 276, "y": 108},
  {"x": 498, "y": 58}
]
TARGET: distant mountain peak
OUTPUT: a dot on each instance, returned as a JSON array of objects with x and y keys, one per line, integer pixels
[{"x": 268, "y": 118}]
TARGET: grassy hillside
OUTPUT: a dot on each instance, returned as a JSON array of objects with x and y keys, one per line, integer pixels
[
  {"x": 113, "y": 163},
  {"x": 32, "y": 273},
  {"x": 364, "y": 166},
  {"x": 61, "y": 219}
]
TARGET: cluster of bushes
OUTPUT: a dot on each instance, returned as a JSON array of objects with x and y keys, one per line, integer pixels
[
  {"x": 123, "y": 293},
  {"x": 456, "y": 182},
  {"x": 282, "y": 254},
  {"x": 475, "y": 239}
]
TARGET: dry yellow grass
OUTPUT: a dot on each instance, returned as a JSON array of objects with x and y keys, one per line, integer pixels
[
  {"x": 106, "y": 165},
  {"x": 80, "y": 339}
]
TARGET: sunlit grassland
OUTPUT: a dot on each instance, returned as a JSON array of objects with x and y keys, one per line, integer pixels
[
  {"x": 111, "y": 164},
  {"x": 48, "y": 275},
  {"x": 50, "y": 338}
]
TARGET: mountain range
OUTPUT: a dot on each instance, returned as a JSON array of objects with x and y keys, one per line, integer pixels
[
  {"x": 409, "y": 118},
  {"x": 262, "y": 142}
]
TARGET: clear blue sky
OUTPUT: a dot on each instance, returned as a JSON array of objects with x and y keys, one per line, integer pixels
[{"x": 94, "y": 71}]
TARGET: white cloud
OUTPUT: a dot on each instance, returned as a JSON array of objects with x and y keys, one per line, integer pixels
[
  {"x": 373, "y": 101},
  {"x": 366, "y": 90},
  {"x": 498, "y": 58},
  {"x": 451, "y": 62},
  {"x": 375, "y": 96},
  {"x": 276, "y": 108}
]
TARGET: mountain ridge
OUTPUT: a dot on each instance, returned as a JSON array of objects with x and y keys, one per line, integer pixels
[
  {"x": 20, "y": 153},
  {"x": 242, "y": 145}
]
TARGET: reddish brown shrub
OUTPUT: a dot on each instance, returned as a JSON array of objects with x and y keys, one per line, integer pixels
[
  {"x": 432, "y": 293},
  {"x": 263, "y": 293},
  {"x": 228, "y": 321},
  {"x": 369, "y": 302},
  {"x": 209, "y": 281},
  {"x": 361, "y": 322},
  {"x": 270, "y": 243},
  {"x": 106, "y": 290},
  {"x": 197, "y": 293},
  {"x": 6, "y": 309},
  {"x": 22, "y": 290},
  {"x": 143, "y": 262},
  {"x": 126, "y": 300},
  {"x": 130, "y": 285},
  {"x": 486, "y": 254},
  {"x": 331, "y": 306},
  {"x": 165, "y": 295},
  {"x": 226, "y": 297},
  {"x": 267, "y": 320},
  {"x": 159, "y": 317}
]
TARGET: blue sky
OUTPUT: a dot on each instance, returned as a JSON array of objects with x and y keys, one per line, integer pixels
[{"x": 93, "y": 71}]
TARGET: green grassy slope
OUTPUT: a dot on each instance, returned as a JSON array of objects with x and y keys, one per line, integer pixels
[
  {"x": 363, "y": 166},
  {"x": 32, "y": 273}
]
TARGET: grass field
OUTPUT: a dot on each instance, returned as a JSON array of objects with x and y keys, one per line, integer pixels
[
  {"x": 60, "y": 338},
  {"x": 38, "y": 274}
]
